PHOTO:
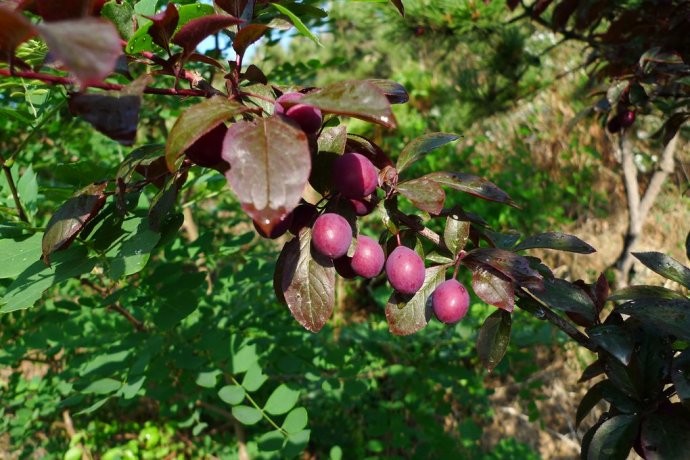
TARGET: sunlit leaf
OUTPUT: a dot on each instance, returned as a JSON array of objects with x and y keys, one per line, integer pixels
[
  {"x": 613, "y": 338},
  {"x": 666, "y": 266},
  {"x": 455, "y": 234},
  {"x": 493, "y": 289},
  {"x": 297, "y": 22},
  {"x": 473, "y": 185},
  {"x": 509, "y": 264},
  {"x": 281, "y": 400},
  {"x": 422, "y": 145},
  {"x": 231, "y": 394},
  {"x": 246, "y": 415},
  {"x": 408, "y": 315},
  {"x": 424, "y": 194}
]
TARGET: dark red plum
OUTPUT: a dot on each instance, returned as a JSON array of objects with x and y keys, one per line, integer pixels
[
  {"x": 354, "y": 175},
  {"x": 368, "y": 259},
  {"x": 405, "y": 270},
  {"x": 450, "y": 301},
  {"x": 331, "y": 235}
]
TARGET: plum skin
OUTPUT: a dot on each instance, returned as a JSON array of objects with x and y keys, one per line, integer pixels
[
  {"x": 450, "y": 301},
  {"x": 354, "y": 175},
  {"x": 331, "y": 235},
  {"x": 405, "y": 270},
  {"x": 368, "y": 259},
  {"x": 308, "y": 117}
]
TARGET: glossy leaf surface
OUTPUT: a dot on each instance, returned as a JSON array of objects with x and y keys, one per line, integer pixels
[{"x": 493, "y": 338}]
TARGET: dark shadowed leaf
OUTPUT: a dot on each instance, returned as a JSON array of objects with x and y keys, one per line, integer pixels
[
  {"x": 271, "y": 441},
  {"x": 591, "y": 371},
  {"x": 509, "y": 264},
  {"x": 564, "y": 296},
  {"x": 195, "y": 122},
  {"x": 473, "y": 185},
  {"x": 664, "y": 435},
  {"x": 14, "y": 30},
  {"x": 562, "y": 12},
  {"x": 419, "y": 147},
  {"x": 270, "y": 165},
  {"x": 394, "y": 91},
  {"x": 593, "y": 396},
  {"x": 355, "y": 98},
  {"x": 234, "y": 7},
  {"x": 399, "y": 5},
  {"x": 613, "y": 338},
  {"x": 556, "y": 240},
  {"x": 163, "y": 26},
  {"x": 687, "y": 246},
  {"x": 666, "y": 266},
  {"x": 671, "y": 126},
  {"x": 455, "y": 234},
  {"x": 121, "y": 15},
  {"x": 196, "y": 30},
  {"x": 423, "y": 193},
  {"x": 670, "y": 317},
  {"x": 50, "y": 10},
  {"x": 297, "y": 22},
  {"x": 493, "y": 339},
  {"x": 493, "y": 289},
  {"x": 70, "y": 219},
  {"x": 614, "y": 438},
  {"x": 681, "y": 376},
  {"x": 333, "y": 139},
  {"x": 88, "y": 47},
  {"x": 248, "y": 35},
  {"x": 645, "y": 292},
  {"x": 115, "y": 116},
  {"x": 307, "y": 283},
  {"x": 407, "y": 315},
  {"x": 360, "y": 144}
]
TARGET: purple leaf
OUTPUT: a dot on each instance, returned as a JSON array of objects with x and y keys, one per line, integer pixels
[
  {"x": 669, "y": 317},
  {"x": 493, "y": 338},
  {"x": 270, "y": 164},
  {"x": 422, "y": 145},
  {"x": 248, "y": 35},
  {"x": 614, "y": 438},
  {"x": 307, "y": 282},
  {"x": 196, "y": 121},
  {"x": 509, "y": 264},
  {"x": 196, "y": 30},
  {"x": 455, "y": 234},
  {"x": 51, "y": 10},
  {"x": 425, "y": 194},
  {"x": 88, "y": 47},
  {"x": 473, "y": 185},
  {"x": 163, "y": 26},
  {"x": 14, "y": 30},
  {"x": 493, "y": 289},
  {"x": 555, "y": 240},
  {"x": 355, "y": 98},
  {"x": 664, "y": 434},
  {"x": 394, "y": 91},
  {"x": 70, "y": 219},
  {"x": 408, "y": 315},
  {"x": 567, "y": 297}
]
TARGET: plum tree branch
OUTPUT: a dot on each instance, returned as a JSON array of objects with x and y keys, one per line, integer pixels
[
  {"x": 66, "y": 81},
  {"x": 13, "y": 189}
]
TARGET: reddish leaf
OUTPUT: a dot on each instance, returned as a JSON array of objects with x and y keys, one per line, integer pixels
[
  {"x": 307, "y": 282},
  {"x": 234, "y": 7},
  {"x": 493, "y": 289},
  {"x": 394, "y": 91},
  {"x": 208, "y": 149},
  {"x": 116, "y": 117},
  {"x": 455, "y": 234},
  {"x": 333, "y": 139},
  {"x": 539, "y": 7},
  {"x": 88, "y": 47},
  {"x": 355, "y": 98},
  {"x": 493, "y": 338},
  {"x": 562, "y": 13},
  {"x": 425, "y": 194},
  {"x": 473, "y": 185},
  {"x": 163, "y": 26},
  {"x": 422, "y": 145},
  {"x": 248, "y": 35},
  {"x": 509, "y": 264},
  {"x": 70, "y": 219},
  {"x": 668, "y": 317},
  {"x": 196, "y": 30},
  {"x": 14, "y": 30},
  {"x": 408, "y": 315},
  {"x": 270, "y": 163},
  {"x": 360, "y": 144},
  {"x": 196, "y": 121},
  {"x": 51, "y": 10}
]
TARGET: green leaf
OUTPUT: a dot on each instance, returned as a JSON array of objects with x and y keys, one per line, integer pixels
[
  {"x": 121, "y": 15},
  {"x": 645, "y": 292},
  {"x": 271, "y": 441},
  {"x": 246, "y": 415},
  {"x": 297, "y": 22},
  {"x": 664, "y": 436},
  {"x": 564, "y": 296},
  {"x": 27, "y": 188},
  {"x": 614, "y": 438},
  {"x": 681, "y": 376},
  {"x": 418, "y": 148},
  {"x": 670, "y": 317},
  {"x": 231, "y": 394},
  {"x": 281, "y": 400},
  {"x": 613, "y": 338},
  {"x": 493, "y": 338},
  {"x": 208, "y": 379},
  {"x": 131, "y": 253},
  {"x": 666, "y": 266},
  {"x": 333, "y": 139},
  {"x": 130, "y": 389},
  {"x": 473, "y": 185},
  {"x": 354, "y": 98},
  {"x": 555, "y": 240},
  {"x": 307, "y": 282},
  {"x": 94, "y": 407},
  {"x": 254, "y": 378},
  {"x": 243, "y": 359},
  {"x": 29, "y": 285},
  {"x": 88, "y": 47},
  {"x": 424, "y": 194},
  {"x": 296, "y": 420},
  {"x": 589, "y": 400},
  {"x": 455, "y": 234},
  {"x": 407, "y": 315},
  {"x": 103, "y": 386},
  {"x": 17, "y": 256},
  {"x": 296, "y": 443},
  {"x": 196, "y": 121}
]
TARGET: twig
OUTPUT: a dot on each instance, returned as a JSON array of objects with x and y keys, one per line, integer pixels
[
  {"x": 65, "y": 81},
  {"x": 138, "y": 325},
  {"x": 13, "y": 189}
]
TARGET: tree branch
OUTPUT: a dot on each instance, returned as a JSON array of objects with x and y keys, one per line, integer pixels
[
  {"x": 65, "y": 81},
  {"x": 13, "y": 189},
  {"x": 138, "y": 325}
]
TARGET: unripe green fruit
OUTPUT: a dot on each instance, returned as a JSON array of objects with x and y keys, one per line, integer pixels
[
  {"x": 354, "y": 176},
  {"x": 450, "y": 301},
  {"x": 331, "y": 235},
  {"x": 405, "y": 270}
]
